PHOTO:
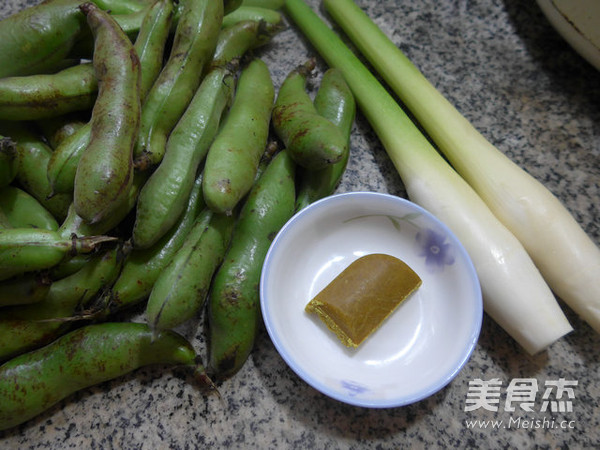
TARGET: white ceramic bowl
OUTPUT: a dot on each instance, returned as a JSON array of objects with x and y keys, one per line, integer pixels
[
  {"x": 578, "y": 22},
  {"x": 420, "y": 348}
]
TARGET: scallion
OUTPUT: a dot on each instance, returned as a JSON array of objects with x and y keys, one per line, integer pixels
[{"x": 565, "y": 255}]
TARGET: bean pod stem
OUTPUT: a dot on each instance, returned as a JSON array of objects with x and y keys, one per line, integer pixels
[{"x": 29, "y": 249}]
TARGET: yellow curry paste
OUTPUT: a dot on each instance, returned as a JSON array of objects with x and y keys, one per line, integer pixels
[{"x": 359, "y": 299}]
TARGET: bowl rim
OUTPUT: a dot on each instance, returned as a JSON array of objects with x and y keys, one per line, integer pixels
[
  {"x": 570, "y": 33},
  {"x": 396, "y": 401}
]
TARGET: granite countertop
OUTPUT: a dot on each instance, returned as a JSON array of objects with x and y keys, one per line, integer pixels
[{"x": 506, "y": 69}]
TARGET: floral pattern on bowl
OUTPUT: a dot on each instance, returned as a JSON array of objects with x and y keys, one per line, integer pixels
[{"x": 435, "y": 247}]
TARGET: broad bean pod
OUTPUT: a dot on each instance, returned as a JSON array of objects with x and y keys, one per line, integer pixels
[
  {"x": 68, "y": 266},
  {"x": 43, "y": 96},
  {"x": 34, "y": 156},
  {"x": 271, "y": 4},
  {"x": 62, "y": 165},
  {"x": 233, "y": 303},
  {"x": 151, "y": 41},
  {"x": 9, "y": 160},
  {"x": 75, "y": 224},
  {"x": 37, "y": 39},
  {"x": 56, "y": 129},
  {"x": 254, "y": 13},
  {"x": 231, "y": 5},
  {"x": 24, "y": 211},
  {"x": 334, "y": 101},
  {"x": 149, "y": 46},
  {"x": 180, "y": 291},
  {"x": 123, "y": 6},
  {"x": 28, "y": 249},
  {"x": 105, "y": 171},
  {"x": 142, "y": 267},
  {"x": 312, "y": 140},
  {"x": 164, "y": 196},
  {"x": 26, "y": 327},
  {"x": 33, "y": 382},
  {"x": 130, "y": 23},
  {"x": 236, "y": 40},
  {"x": 193, "y": 45},
  {"x": 233, "y": 157},
  {"x": 23, "y": 290},
  {"x": 4, "y": 223}
]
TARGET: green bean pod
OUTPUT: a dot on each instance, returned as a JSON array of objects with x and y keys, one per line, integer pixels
[
  {"x": 253, "y": 13},
  {"x": 105, "y": 170},
  {"x": 33, "y": 382},
  {"x": 233, "y": 304},
  {"x": 37, "y": 39},
  {"x": 270, "y": 4},
  {"x": 24, "y": 211},
  {"x": 233, "y": 157},
  {"x": 56, "y": 129},
  {"x": 34, "y": 156},
  {"x": 142, "y": 267},
  {"x": 26, "y": 327},
  {"x": 236, "y": 40},
  {"x": 180, "y": 291},
  {"x": 312, "y": 140},
  {"x": 24, "y": 290},
  {"x": 9, "y": 160},
  {"x": 48, "y": 95},
  {"x": 334, "y": 101},
  {"x": 193, "y": 45},
  {"x": 163, "y": 198},
  {"x": 29, "y": 249}
]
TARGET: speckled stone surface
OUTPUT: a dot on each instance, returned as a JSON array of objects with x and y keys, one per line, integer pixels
[{"x": 526, "y": 90}]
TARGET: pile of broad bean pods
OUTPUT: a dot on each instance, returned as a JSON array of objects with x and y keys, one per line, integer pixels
[{"x": 146, "y": 160}]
